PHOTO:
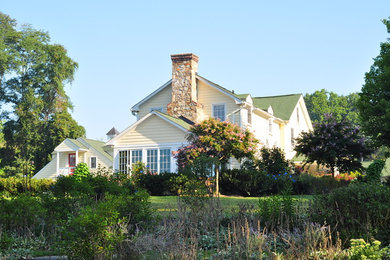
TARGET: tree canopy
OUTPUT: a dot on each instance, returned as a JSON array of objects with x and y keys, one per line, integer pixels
[
  {"x": 333, "y": 143},
  {"x": 219, "y": 140},
  {"x": 323, "y": 102},
  {"x": 34, "y": 105},
  {"x": 374, "y": 102}
]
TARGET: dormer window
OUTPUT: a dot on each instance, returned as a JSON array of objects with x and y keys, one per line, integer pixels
[
  {"x": 249, "y": 116},
  {"x": 270, "y": 126},
  {"x": 219, "y": 111}
]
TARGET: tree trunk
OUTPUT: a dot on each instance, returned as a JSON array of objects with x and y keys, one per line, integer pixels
[{"x": 217, "y": 180}]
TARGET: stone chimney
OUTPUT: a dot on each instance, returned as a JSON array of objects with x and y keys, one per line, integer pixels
[{"x": 184, "y": 91}]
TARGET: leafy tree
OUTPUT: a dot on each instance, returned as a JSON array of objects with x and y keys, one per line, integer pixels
[
  {"x": 374, "y": 102},
  {"x": 219, "y": 140},
  {"x": 333, "y": 143},
  {"x": 323, "y": 102},
  {"x": 33, "y": 73}
]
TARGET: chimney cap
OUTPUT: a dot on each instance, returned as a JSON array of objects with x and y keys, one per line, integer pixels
[{"x": 184, "y": 57}]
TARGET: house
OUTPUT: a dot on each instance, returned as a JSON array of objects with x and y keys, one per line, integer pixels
[
  {"x": 73, "y": 151},
  {"x": 165, "y": 116}
]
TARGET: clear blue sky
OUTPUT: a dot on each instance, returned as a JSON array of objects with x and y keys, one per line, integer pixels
[{"x": 260, "y": 47}]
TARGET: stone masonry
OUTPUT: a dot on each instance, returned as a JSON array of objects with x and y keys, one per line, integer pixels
[{"x": 184, "y": 90}]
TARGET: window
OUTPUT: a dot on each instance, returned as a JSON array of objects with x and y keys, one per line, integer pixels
[
  {"x": 298, "y": 115},
  {"x": 151, "y": 160},
  {"x": 93, "y": 163},
  {"x": 292, "y": 137},
  {"x": 270, "y": 126},
  {"x": 249, "y": 116},
  {"x": 165, "y": 160},
  {"x": 123, "y": 159},
  {"x": 136, "y": 156},
  {"x": 219, "y": 112}
]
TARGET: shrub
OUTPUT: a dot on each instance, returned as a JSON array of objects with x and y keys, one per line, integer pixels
[
  {"x": 155, "y": 184},
  {"x": 374, "y": 171},
  {"x": 360, "y": 249},
  {"x": 273, "y": 161},
  {"x": 17, "y": 185},
  {"x": 251, "y": 182},
  {"x": 81, "y": 171},
  {"x": 22, "y": 214},
  {"x": 358, "y": 210},
  {"x": 95, "y": 233},
  {"x": 309, "y": 184}
]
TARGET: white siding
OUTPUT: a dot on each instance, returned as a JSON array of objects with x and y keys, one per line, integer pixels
[
  {"x": 161, "y": 99},
  {"x": 207, "y": 96},
  {"x": 153, "y": 130}
]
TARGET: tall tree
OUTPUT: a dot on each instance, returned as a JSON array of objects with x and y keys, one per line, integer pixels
[
  {"x": 33, "y": 73},
  {"x": 374, "y": 102},
  {"x": 323, "y": 102},
  {"x": 219, "y": 140}
]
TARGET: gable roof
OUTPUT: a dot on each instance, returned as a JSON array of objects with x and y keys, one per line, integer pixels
[
  {"x": 221, "y": 89},
  {"x": 136, "y": 106},
  {"x": 177, "y": 122},
  {"x": 283, "y": 106},
  {"x": 98, "y": 146}
]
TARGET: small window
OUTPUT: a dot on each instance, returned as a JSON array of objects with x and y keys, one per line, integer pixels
[
  {"x": 93, "y": 163},
  {"x": 270, "y": 126},
  {"x": 219, "y": 112},
  {"x": 249, "y": 116},
  {"x": 298, "y": 115}
]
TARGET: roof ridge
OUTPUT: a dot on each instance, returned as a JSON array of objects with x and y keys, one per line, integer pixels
[{"x": 297, "y": 94}]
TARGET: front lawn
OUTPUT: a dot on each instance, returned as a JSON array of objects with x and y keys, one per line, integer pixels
[{"x": 166, "y": 204}]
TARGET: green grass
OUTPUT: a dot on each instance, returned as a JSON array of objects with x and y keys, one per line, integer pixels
[{"x": 166, "y": 204}]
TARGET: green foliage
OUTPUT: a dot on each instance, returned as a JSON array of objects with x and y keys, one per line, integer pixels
[
  {"x": 323, "y": 102},
  {"x": 358, "y": 210},
  {"x": 360, "y": 249},
  {"x": 218, "y": 140},
  {"x": 22, "y": 214},
  {"x": 273, "y": 161},
  {"x": 333, "y": 144},
  {"x": 277, "y": 210},
  {"x": 156, "y": 184},
  {"x": 374, "y": 104},
  {"x": 33, "y": 73},
  {"x": 81, "y": 171},
  {"x": 95, "y": 232},
  {"x": 14, "y": 186},
  {"x": 374, "y": 171},
  {"x": 309, "y": 184}
]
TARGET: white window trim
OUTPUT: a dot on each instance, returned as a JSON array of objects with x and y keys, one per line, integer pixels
[
  {"x": 218, "y": 104},
  {"x": 90, "y": 162},
  {"x": 145, "y": 148}
]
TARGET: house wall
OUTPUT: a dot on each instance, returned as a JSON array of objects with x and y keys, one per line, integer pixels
[
  {"x": 161, "y": 99},
  {"x": 49, "y": 171},
  {"x": 207, "y": 96},
  {"x": 303, "y": 125},
  {"x": 153, "y": 130}
]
